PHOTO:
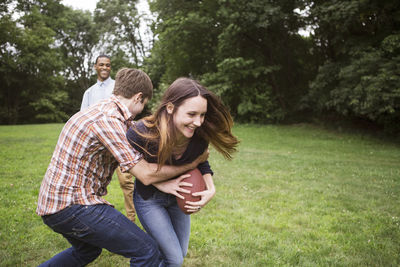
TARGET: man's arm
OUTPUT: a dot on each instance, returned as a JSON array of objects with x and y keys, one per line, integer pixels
[{"x": 148, "y": 174}]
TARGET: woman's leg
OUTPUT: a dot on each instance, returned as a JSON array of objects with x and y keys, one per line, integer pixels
[
  {"x": 181, "y": 224},
  {"x": 155, "y": 218}
]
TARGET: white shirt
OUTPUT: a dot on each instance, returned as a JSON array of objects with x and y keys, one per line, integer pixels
[{"x": 97, "y": 92}]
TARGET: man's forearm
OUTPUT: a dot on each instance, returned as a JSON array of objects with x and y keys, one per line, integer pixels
[{"x": 148, "y": 174}]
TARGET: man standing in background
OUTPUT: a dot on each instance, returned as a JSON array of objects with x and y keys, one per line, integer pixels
[
  {"x": 104, "y": 86},
  {"x": 101, "y": 90}
]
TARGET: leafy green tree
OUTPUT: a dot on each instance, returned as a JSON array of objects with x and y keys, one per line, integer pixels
[
  {"x": 249, "y": 52},
  {"x": 119, "y": 25},
  {"x": 30, "y": 65},
  {"x": 261, "y": 40},
  {"x": 77, "y": 38},
  {"x": 359, "y": 77},
  {"x": 47, "y": 52},
  {"x": 187, "y": 33}
]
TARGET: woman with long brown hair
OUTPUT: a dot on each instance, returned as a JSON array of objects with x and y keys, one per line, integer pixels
[{"x": 188, "y": 118}]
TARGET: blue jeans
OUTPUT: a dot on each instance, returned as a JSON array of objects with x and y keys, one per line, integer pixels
[
  {"x": 91, "y": 228},
  {"x": 166, "y": 223}
]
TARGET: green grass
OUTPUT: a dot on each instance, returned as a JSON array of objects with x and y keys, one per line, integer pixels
[{"x": 294, "y": 195}]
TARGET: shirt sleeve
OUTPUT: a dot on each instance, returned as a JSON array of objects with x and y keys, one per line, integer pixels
[
  {"x": 85, "y": 100},
  {"x": 202, "y": 145},
  {"x": 111, "y": 133},
  {"x": 204, "y": 168}
]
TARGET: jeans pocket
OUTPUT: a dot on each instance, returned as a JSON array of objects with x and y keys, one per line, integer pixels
[{"x": 69, "y": 225}]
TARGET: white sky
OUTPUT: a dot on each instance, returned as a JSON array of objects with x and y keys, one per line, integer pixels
[
  {"x": 90, "y": 5},
  {"x": 142, "y": 6},
  {"x": 81, "y": 4}
]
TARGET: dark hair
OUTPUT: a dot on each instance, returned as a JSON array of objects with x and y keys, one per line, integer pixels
[
  {"x": 129, "y": 82},
  {"x": 216, "y": 128},
  {"x": 101, "y": 56}
]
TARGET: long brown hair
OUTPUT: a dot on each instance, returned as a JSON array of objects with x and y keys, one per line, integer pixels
[{"x": 216, "y": 128}]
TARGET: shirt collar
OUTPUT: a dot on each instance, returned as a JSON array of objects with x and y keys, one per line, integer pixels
[
  {"x": 124, "y": 109},
  {"x": 105, "y": 82}
]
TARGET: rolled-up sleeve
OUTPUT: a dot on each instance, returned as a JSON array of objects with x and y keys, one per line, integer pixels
[{"x": 204, "y": 168}]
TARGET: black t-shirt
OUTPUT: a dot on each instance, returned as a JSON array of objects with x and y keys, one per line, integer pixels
[{"x": 195, "y": 148}]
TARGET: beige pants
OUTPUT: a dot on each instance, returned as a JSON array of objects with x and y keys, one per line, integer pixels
[{"x": 127, "y": 185}]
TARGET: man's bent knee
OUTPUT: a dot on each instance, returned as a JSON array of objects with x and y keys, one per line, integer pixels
[{"x": 89, "y": 256}]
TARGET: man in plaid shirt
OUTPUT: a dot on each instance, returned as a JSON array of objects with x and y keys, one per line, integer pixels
[{"x": 91, "y": 145}]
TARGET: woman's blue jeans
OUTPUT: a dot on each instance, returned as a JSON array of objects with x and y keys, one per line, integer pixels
[
  {"x": 166, "y": 223},
  {"x": 91, "y": 228}
]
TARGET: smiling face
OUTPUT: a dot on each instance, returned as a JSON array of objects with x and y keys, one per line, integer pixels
[
  {"x": 103, "y": 68},
  {"x": 189, "y": 115}
]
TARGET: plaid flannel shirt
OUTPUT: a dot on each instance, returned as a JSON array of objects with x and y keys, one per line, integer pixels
[{"x": 91, "y": 145}]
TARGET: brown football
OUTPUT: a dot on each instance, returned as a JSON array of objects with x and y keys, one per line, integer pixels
[{"x": 198, "y": 185}]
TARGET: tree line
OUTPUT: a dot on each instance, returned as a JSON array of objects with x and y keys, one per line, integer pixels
[{"x": 249, "y": 52}]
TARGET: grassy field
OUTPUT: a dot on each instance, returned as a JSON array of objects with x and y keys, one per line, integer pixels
[{"x": 293, "y": 196}]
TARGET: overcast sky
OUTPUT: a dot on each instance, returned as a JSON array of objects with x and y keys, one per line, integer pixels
[
  {"x": 91, "y": 5},
  {"x": 81, "y": 4}
]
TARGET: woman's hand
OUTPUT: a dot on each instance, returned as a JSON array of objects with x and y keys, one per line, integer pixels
[
  {"x": 205, "y": 195},
  {"x": 173, "y": 186}
]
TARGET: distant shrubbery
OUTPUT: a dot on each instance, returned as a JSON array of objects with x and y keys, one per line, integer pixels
[{"x": 249, "y": 52}]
